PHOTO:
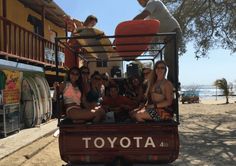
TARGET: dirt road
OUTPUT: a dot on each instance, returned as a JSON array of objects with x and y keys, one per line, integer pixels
[{"x": 207, "y": 136}]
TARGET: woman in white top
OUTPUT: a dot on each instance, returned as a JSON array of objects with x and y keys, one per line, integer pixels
[{"x": 72, "y": 96}]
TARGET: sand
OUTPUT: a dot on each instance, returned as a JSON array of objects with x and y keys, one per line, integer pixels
[
  {"x": 207, "y": 138},
  {"x": 208, "y": 133}
]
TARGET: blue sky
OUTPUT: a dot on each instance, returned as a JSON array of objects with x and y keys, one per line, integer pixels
[{"x": 110, "y": 13}]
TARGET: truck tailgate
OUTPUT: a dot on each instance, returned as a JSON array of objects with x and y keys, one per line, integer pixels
[{"x": 156, "y": 142}]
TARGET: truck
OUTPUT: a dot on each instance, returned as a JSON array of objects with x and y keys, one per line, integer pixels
[
  {"x": 120, "y": 143},
  {"x": 190, "y": 97}
]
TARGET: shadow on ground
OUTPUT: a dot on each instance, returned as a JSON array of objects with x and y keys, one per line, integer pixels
[{"x": 207, "y": 139}]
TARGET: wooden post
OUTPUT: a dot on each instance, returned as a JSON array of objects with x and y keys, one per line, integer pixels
[
  {"x": 43, "y": 18},
  {"x": 4, "y": 11},
  {"x": 4, "y": 5},
  {"x": 41, "y": 53}
]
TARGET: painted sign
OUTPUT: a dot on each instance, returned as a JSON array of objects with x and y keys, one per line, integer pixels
[
  {"x": 11, "y": 91},
  {"x": 50, "y": 55}
]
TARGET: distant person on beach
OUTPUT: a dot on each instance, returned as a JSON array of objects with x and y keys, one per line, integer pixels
[
  {"x": 159, "y": 97},
  {"x": 155, "y": 9}
]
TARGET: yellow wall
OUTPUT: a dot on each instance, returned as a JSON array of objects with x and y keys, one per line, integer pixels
[
  {"x": 1, "y": 26},
  {"x": 1, "y": 8},
  {"x": 49, "y": 26},
  {"x": 17, "y": 13}
]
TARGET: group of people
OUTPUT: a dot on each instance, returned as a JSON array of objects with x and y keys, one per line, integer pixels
[{"x": 90, "y": 98}]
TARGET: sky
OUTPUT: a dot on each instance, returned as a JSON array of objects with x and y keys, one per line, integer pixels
[{"x": 204, "y": 71}]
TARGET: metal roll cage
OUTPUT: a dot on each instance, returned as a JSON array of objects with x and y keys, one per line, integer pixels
[{"x": 115, "y": 54}]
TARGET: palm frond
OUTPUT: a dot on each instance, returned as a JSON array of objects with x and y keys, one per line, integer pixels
[{"x": 223, "y": 85}]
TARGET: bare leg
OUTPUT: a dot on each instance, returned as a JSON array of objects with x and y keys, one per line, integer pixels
[
  {"x": 141, "y": 115},
  {"x": 99, "y": 114},
  {"x": 80, "y": 115}
]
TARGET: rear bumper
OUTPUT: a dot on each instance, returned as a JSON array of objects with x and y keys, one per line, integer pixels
[{"x": 136, "y": 143}]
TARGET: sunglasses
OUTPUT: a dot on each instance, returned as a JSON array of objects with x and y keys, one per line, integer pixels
[
  {"x": 161, "y": 68},
  {"x": 74, "y": 73},
  {"x": 146, "y": 73},
  {"x": 85, "y": 72},
  {"x": 97, "y": 78}
]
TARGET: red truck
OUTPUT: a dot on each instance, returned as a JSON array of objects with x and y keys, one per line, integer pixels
[{"x": 123, "y": 143}]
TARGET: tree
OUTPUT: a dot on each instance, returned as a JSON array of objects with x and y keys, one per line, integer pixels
[
  {"x": 224, "y": 86},
  {"x": 208, "y": 23}
]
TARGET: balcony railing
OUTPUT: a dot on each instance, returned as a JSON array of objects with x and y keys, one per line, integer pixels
[{"x": 21, "y": 44}]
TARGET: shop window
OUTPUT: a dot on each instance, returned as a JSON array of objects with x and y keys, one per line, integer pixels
[{"x": 37, "y": 23}]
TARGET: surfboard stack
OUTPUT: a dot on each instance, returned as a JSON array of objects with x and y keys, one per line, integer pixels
[
  {"x": 36, "y": 105},
  {"x": 133, "y": 37},
  {"x": 95, "y": 43}
]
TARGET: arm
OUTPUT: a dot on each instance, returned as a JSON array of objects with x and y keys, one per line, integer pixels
[
  {"x": 142, "y": 15},
  {"x": 86, "y": 85},
  {"x": 58, "y": 89},
  {"x": 84, "y": 101},
  {"x": 140, "y": 96}
]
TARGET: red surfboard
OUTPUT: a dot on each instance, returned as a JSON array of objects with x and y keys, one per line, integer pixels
[{"x": 135, "y": 45}]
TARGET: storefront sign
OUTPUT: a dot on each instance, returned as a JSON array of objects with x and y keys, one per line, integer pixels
[{"x": 11, "y": 91}]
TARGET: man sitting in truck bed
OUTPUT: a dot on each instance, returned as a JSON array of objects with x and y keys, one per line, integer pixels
[{"x": 120, "y": 105}]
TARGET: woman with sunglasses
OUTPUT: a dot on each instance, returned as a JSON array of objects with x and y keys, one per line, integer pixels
[
  {"x": 136, "y": 91},
  {"x": 94, "y": 96},
  {"x": 72, "y": 97},
  {"x": 159, "y": 97}
]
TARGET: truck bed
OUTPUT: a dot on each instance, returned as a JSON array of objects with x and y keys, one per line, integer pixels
[{"x": 151, "y": 142}]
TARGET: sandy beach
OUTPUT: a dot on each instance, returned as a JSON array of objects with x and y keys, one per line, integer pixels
[
  {"x": 217, "y": 100},
  {"x": 207, "y": 134}
]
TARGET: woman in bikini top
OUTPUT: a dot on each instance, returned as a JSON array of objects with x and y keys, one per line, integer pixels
[
  {"x": 72, "y": 95},
  {"x": 159, "y": 94}
]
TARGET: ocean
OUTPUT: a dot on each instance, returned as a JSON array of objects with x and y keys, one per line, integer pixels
[{"x": 205, "y": 91}]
